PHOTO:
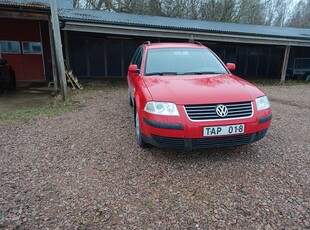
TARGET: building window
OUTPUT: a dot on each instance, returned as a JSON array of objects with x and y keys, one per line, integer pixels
[
  {"x": 9, "y": 47},
  {"x": 32, "y": 48}
]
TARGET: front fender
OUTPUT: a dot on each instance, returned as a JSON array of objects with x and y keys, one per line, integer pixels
[{"x": 141, "y": 95}]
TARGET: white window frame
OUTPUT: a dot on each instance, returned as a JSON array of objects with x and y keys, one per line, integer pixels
[
  {"x": 32, "y": 52},
  {"x": 5, "y": 52}
]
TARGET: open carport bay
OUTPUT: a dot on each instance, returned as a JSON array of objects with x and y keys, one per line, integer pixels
[{"x": 83, "y": 170}]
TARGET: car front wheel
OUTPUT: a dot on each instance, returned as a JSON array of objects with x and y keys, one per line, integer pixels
[
  {"x": 11, "y": 84},
  {"x": 140, "y": 140}
]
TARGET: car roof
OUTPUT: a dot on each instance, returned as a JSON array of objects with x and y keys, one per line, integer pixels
[{"x": 172, "y": 45}]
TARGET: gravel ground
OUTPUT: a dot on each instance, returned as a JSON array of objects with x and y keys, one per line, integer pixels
[{"x": 83, "y": 170}]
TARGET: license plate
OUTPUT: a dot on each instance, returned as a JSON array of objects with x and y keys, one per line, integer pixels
[{"x": 223, "y": 130}]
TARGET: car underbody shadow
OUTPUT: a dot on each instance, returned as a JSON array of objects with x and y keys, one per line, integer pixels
[{"x": 238, "y": 153}]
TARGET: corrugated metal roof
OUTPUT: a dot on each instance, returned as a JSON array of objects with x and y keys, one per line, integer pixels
[
  {"x": 182, "y": 24},
  {"x": 61, "y": 4}
]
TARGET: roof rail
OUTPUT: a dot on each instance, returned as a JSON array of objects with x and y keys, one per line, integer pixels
[
  {"x": 147, "y": 42},
  {"x": 192, "y": 40},
  {"x": 199, "y": 43}
]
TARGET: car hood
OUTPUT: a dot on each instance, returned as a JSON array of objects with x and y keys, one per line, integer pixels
[{"x": 201, "y": 89}]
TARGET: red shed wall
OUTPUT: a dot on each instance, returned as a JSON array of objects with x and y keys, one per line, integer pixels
[{"x": 28, "y": 67}]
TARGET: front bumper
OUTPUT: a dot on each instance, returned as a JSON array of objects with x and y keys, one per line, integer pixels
[
  {"x": 184, "y": 134},
  {"x": 203, "y": 143}
]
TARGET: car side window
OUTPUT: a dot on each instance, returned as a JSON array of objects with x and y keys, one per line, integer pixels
[
  {"x": 137, "y": 58},
  {"x": 134, "y": 56}
]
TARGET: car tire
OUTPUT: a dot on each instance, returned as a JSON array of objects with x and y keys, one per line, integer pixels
[
  {"x": 129, "y": 98},
  {"x": 11, "y": 85},
  {"x": 139, "y": 137}
]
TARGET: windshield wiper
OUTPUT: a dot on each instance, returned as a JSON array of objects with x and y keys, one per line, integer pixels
[
  {"x": 161, "y": 73},
  {"x": 200, "y": 73}
]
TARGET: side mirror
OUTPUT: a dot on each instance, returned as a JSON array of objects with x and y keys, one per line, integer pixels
[
  {"x": 133, "y": 69},
  {"x": 231, "y": 66}
]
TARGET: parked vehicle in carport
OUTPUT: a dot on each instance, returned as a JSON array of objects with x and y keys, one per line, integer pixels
[
  {"x": 185, "y": 97},
  {"x": 7, "y": 76}
]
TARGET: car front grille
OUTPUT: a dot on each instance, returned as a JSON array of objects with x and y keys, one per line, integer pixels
[
  {"x": 208, "y": 112},
  {"x": 204, "y": 143}
]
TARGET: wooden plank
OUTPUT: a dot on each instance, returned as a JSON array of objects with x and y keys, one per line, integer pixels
[
  {"x": 69, "y": 80},
  {"x": 75, "y": 80},
  {"x": 285, "y": 62},
  {"x": 24, "y": 15}
]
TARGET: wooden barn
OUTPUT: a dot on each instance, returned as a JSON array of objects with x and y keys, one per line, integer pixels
[{"x": 99, "y": 44}]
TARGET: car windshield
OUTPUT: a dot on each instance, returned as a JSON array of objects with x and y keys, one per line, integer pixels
[{"x": 182, "y": 61}]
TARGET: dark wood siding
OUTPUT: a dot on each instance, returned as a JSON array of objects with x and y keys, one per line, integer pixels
[
  {"x": 99, "y": 56},
  {"x": 104, "y": 56}
]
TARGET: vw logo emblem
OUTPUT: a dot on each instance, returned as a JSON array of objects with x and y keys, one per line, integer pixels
[{"x": 221, "y": 110}]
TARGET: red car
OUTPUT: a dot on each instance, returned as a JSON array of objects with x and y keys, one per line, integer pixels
[{"x": 185, "y": 97}]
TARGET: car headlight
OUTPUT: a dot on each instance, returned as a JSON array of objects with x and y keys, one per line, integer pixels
[
  {"x": 161, "y": 108},
  {"x": 262, "y": 103}
]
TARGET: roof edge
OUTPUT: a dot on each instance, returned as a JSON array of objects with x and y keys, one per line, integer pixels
[{"x": 182, "y": 34}]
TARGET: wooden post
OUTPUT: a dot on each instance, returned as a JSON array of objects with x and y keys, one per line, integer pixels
[
  {"x": 122, "y": 58},
  {"x": 105, "y": 58},
  {"x": 285, "y": 62},
  {"x": 67, "y": 50},
  {"x": 58, "y": 51},
  {"x": 246, "y": 61},
  {"x": 87, "y": 58},
  {"x": 54, "y": 69}
]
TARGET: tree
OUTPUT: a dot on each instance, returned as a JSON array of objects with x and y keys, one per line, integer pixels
[
  {"x": 260, "y": 12},
  {"x": 155, "y": 7},
  {"x": 175, "y": 8},
  {"x": 301, "y": 15},
  {"x": 277, "y": 12},
  {"x": 250, "y": 12},
  {"x": 210, "y": 10}
]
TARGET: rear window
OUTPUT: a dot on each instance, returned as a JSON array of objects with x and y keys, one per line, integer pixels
[{"x": 182, "y": 61}]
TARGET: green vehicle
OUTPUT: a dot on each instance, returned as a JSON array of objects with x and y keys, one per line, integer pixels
[{"x": 301, "y": 69}]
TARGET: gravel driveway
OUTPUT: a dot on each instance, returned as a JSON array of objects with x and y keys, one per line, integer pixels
[{"x": 83, "y": 170}]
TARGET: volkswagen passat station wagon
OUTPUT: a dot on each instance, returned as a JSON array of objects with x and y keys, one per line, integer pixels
[{"x": 185, "y": 97}]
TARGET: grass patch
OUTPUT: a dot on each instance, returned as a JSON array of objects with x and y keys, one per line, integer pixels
[
  {"x": 12, "y": 116},
  {"x": 51, "y": 188},
  {"x": 148, "y": 204}
]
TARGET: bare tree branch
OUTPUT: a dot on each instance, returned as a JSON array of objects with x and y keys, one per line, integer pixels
[{"x": 265, "y": 12}]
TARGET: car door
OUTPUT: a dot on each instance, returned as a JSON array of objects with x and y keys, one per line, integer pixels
[{"x": 133, "y": 77}]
